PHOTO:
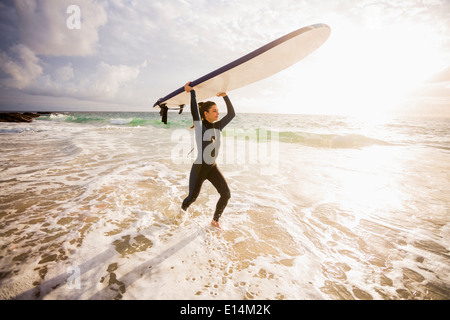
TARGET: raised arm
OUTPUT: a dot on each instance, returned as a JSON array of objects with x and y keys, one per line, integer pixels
[
  {"x": 230, "y": 111},
  {"x": 194, "y": 108}
]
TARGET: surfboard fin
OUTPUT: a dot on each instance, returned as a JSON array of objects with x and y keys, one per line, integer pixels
[{"x": 181, "y": 109}]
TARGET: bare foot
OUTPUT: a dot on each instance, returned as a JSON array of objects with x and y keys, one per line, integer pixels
[
  {"x": 180, "y": 217},
  {"x": 216, "y": 224}
]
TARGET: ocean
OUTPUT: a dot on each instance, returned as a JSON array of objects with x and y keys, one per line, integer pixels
[{"x": 322, "y": 207}]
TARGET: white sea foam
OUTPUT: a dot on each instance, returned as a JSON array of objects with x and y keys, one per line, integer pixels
[
  {"x": 120, "y": 121},
  {"x": 92, "y": 211}
]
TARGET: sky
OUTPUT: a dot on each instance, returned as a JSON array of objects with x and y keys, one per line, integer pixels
[{"x": 382, "y": 57}]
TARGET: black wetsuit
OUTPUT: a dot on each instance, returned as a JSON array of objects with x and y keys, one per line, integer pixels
[{"x": 207, "y": 137}]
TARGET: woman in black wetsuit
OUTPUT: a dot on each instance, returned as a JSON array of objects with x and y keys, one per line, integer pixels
[{"x": 207, "y": 137}]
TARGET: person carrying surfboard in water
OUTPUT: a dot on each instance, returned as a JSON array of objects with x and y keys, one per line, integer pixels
[{"x": 207, "y": 136}]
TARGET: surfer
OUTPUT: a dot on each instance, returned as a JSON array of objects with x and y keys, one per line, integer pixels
[{"x": 207, "y": 136}]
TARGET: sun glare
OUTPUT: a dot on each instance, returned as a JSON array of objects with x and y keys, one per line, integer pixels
[
  {"x": 372, "y": 183},
  {"x": 369, "y": 71}
]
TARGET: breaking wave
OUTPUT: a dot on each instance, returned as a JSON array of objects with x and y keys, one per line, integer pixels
[{"x": 329, "y": 140}]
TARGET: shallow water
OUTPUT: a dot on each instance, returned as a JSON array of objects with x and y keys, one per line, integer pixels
[{"x": 321, "y": 208}]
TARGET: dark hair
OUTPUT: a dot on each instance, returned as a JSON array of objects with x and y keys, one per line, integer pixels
[{"x": 204, "y": 107}]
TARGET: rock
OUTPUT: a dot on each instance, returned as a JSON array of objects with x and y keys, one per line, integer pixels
[{"x": 18, "y": 117}]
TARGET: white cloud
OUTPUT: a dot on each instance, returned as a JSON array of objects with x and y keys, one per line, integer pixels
[
  {"x": 64, "y": 74},
  {"x": 107, "y": 83},
  {"x": 108, "y": 80},
  {"x": 22, "y": 65},
  {"x": 44, "y": 33},
  {"x": 43, "y": 27},
  {"x": 104, "y": 83}
]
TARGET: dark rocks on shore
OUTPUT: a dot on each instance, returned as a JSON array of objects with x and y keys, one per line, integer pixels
[{"x": 18, "y": 117}]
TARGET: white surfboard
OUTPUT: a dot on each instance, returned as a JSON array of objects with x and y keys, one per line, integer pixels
[{"x": 255, "y": 66}]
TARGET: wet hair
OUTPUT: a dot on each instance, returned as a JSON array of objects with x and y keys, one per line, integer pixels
[{"x": 204, "y": 107}]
